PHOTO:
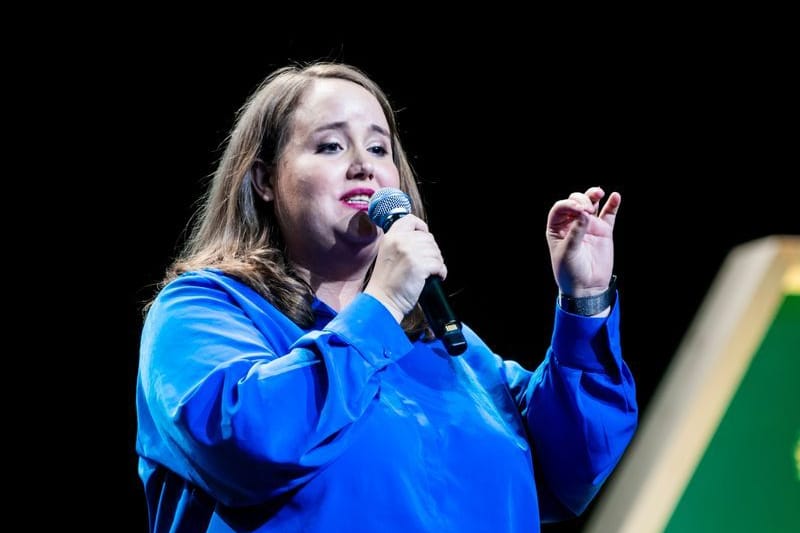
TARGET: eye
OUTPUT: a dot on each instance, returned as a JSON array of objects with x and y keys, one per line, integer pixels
[
  {"x": 378, "y": 150},
  {"x": 328, "y": 148}
]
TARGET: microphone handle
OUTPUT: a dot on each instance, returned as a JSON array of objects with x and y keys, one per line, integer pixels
[
  {"x": 433, "y": 301},
  {"x": 441, "y": 317}
]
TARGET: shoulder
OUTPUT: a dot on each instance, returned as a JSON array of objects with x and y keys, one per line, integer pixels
[
  {"x": 211, "y": 295},
  {"x": 478, "y": 352},
  {"x": 472, "y": 338},
  {"x": 208, "y": 277},
  {"x": 209, "y": 290},
  {"x": 207, "y": 282}
]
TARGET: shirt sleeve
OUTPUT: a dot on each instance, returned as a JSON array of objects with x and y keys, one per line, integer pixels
[
  {"x": 237, "y": 416},
  {"x": 580, "y": 409}
]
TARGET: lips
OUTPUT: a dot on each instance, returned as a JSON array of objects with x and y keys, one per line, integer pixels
[{"x": 357, "y": 198}]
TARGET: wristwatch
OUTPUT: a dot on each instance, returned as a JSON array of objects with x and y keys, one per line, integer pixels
[{"x": 589, "y": 305}]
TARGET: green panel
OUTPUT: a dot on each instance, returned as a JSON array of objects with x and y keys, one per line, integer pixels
[{"x": 748, "y": 478}]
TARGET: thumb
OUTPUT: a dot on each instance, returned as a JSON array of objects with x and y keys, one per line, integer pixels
[{"x": 577, "y": 231}]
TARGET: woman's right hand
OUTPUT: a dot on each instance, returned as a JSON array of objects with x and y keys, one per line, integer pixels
[{"x": 407, "y": 256}]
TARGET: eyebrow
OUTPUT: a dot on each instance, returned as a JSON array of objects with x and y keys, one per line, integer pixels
[{"x": 343, "y": 125}]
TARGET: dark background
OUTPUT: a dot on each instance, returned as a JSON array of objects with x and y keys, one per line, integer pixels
[{"x": 698, "y": 134}]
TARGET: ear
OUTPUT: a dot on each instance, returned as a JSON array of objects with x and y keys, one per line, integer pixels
[{"x": 261, "y": 177}]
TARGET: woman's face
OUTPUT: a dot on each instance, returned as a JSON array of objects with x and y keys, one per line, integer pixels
[{"x": 338, "y": 154}]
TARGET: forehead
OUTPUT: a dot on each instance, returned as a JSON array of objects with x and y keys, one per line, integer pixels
[{"x": 335, "y": 100}]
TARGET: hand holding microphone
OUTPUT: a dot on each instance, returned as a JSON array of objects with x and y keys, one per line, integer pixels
[{"x": 409, "y": 266}]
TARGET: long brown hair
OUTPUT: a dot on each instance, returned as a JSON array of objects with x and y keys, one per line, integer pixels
[{"x": 236, "y": 231}]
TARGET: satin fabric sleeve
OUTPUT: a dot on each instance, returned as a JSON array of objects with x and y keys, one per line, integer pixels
[
  {"x": 580, "y": 411},
  {"x": 241, "y": 419}
]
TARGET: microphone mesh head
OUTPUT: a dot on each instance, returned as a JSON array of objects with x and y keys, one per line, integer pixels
[{"x": 387, "y": 205}]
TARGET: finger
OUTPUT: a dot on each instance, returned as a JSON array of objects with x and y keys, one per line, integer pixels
[
  {"x": 564, "y": 211},
  {"x": 443, "y": 272},
  {"x": 595, "y": 194},
  {"x": 581, "y": 199},
  {"x": 609, "y": 212},
  {"x": 588, "y": 202},
  {"x": 426, "y": 248},
  {"x": 409, "y": 223}
]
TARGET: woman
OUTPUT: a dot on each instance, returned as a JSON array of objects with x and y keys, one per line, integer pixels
[{"x": 288, "y": 380}]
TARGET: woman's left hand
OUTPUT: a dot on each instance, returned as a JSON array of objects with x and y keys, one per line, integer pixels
[{"x": 580, "y": 237}]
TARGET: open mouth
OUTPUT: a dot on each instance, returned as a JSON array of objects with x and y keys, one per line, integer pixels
[{"x": 358, "y": 199}]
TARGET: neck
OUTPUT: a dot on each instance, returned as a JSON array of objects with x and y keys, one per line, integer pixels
[
  {"x": 338, "y": 294},
  {"x": 335, "y": 287}
]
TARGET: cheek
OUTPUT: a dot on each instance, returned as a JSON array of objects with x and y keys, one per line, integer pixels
[
  {"x": 292, "y": 191},
  {"x": 286, "y": 203},
  {"x": 390, "y": 177},
  {"x": 299, "y": 201}
]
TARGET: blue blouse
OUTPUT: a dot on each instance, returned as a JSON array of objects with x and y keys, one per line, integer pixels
[{"x": 247, "y": 422}]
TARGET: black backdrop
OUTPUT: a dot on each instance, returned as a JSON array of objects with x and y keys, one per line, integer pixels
[{"x": 693, "y": 134}]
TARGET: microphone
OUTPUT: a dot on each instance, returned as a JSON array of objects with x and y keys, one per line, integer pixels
[{"x": 385, "y": 207}]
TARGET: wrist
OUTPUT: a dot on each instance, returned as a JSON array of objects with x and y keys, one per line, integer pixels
[
  {"x": 589, "y": 305},
  {"x": 388, "y": 303}
]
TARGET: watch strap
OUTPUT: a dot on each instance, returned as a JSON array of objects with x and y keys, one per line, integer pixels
[{"x": 589, "y": 305}]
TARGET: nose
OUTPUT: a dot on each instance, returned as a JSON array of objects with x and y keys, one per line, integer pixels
[{"x": 360, "y": 169}]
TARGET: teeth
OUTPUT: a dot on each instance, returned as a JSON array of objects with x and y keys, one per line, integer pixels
[{"x": 358, "y": 198}]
